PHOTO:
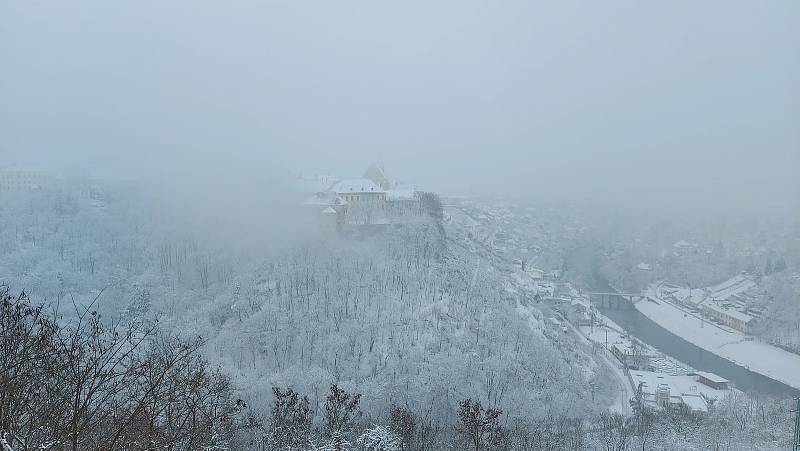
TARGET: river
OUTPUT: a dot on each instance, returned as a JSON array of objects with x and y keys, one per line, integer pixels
[{"x": 648, "y": 331}]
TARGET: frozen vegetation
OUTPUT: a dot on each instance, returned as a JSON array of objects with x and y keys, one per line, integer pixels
[
  {"x": 423, "y": 336},
  {"x": 348, "y": 225}
]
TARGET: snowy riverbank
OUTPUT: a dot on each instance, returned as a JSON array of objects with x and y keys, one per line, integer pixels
[{"x": 759, "y": 357}]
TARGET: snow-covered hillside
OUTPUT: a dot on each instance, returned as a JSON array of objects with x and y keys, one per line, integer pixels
[{"x": 423, "y": 315}]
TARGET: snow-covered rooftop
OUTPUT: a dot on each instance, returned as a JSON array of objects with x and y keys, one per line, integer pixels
[
  {"x": 733, "y": 286},
  {"x": 712, "y": 377},
  {"x": 357, "y": 186},
  {"x": 689, "y": 296},
  {"x": 695, "y": 403}
]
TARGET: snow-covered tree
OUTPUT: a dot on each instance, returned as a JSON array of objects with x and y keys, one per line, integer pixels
[{"x": 379, "y": 438}]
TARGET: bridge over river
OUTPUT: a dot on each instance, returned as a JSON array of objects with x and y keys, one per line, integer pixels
[
  {"x": 620, "y": 307},
  {"x": 614, "y": 300}
]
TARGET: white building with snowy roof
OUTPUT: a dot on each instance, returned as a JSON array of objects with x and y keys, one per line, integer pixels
[
  {"x": 366, "y": 200},
  {"x": 361, "y": 192},
  {"x": 729, "y": 316}
]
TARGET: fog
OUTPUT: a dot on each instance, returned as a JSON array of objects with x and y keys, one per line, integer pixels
[
  {"x": 676, "y": 104},
  {"x": 586, "y": 234}
]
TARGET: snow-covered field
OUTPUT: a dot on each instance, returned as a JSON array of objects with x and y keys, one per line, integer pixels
[{"x": 759, "y": 357}]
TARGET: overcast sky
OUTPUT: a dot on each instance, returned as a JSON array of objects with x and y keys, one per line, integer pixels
[{"x": 680, "y": 102}]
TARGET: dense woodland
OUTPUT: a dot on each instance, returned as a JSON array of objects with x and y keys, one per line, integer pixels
[{"x": 121, "y": 331}]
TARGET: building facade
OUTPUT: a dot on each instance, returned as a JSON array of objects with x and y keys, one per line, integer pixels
[
  {"x": 366, "y": 201},
  {"x": 728, "y": 316}
]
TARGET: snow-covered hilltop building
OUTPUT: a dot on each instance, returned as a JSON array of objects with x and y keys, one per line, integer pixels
[
  {"x": 373, "y": 200},
  {"x": 366, "y": 201},
  {"x": 360, "y": 192}
]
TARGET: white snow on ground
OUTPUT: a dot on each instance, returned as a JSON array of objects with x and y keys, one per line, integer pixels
[
  {"x": 759, "y": 357},
  {"x": 597, "y": 335}
]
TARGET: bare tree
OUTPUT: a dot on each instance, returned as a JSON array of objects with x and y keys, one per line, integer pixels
[
  {"x": 341, "y": 411},
  {"x": 29, "y": 363},
  {"x": 291, "y": 420},
  {"x": 403, "y": 423},
  {"x": 615, "y": 432},
  {"x": 480, "y": 427},
  {"x": 92, "y": 386}
]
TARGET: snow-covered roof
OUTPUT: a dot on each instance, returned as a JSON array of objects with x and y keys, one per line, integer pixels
[
  {"x": 357, "y": 186},
  {"x": 695, "y": 297},
  {"x": 733, "y": 286},
  {"x": 712, "y": 377},
  {"x": 685, "y": 295},
  {"x": 682, "y": 244},
  {"x": 644, "y": 266},
  {"x": 695, "y": 402},
  {"x": 329, "y": 211}
]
